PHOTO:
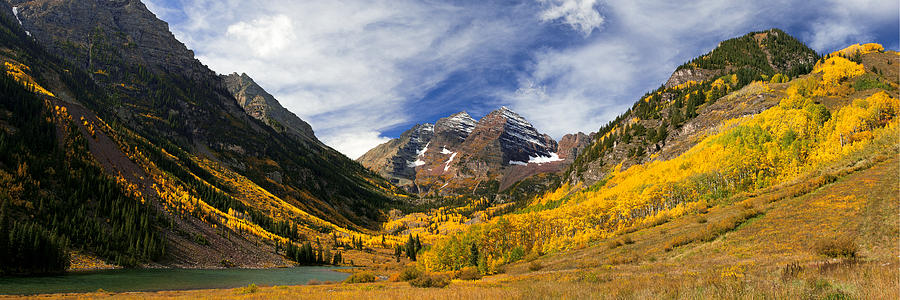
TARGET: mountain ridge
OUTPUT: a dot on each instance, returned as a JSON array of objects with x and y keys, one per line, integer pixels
[{"x": 263, "y": 106}]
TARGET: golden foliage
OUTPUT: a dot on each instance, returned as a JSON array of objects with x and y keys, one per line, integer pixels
[
  {"x": 744, "y": 154},
  {"x": 19, "y": 72},
  {"x": 837, "y": 70},
  {"x": 861, "y": 49}
]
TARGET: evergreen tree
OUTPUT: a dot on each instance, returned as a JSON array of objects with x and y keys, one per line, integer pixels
[
  {"x": 411, "y": 248},
  {"x": 473, "y": 254}
]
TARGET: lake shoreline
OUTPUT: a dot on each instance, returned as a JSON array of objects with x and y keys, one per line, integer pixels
[{"x": 166, "y": 279}]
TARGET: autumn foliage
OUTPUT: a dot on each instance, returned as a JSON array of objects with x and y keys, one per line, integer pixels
[{"x": 745, "y": 154}]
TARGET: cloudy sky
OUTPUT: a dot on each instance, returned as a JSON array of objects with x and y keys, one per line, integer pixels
[{"x": 363, "y": 71}]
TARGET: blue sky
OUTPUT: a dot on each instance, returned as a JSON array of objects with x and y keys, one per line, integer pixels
[{"x": 361, "y": 72}]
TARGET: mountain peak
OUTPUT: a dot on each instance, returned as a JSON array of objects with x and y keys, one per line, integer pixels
[
  {"x": 510, "y": 114},
  {"x": 768, "y": 52},
  {"x": 517, "y": 138},
  {"x": 263, "y": 106},
  {"x": 462, "y": 114},
  {"x": 458, "y": 126},
  {"x": 241, "y": 75},
  {"x": 424, "y": 127}
]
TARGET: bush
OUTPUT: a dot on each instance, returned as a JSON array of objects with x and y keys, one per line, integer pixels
[
  {"x": 250, "y": 289},
  {"x": 703, "y": 210},
  {"x": 659, "y": 219},
  {"x": 515, "y": 254},
  {"x": 429, "y": 281},
  {"x": 627, "y": 240},
  {"x": 869, "y": 81},
  {"x": 409, "y": 273},
  {"x": 535, "y": 266},
  {"x": 361, "y": 277},
  {"x": 468, "y": 273},
  {"x": 614, "y": 244},
  {"x": 838, "y": 247}
]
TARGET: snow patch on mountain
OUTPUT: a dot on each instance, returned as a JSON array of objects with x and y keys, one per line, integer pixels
[
  {"x": 416, "y": 163},
  {"x": 521, "y": 128},
  {"x": 544, "y": 159},
  {"x": 540, "y": 160},
  {"x": 461, "y": 122},
  {"x": 445, "y": 151},
  {"x": 447, "y": 164},
  {"x": 422, "y": 152},
  {"x": 15, "y": 10}
]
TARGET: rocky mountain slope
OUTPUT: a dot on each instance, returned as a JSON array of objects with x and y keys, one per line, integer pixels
[
  {"x": 398, "y": 158},
  {"x": 225, "y": 188},
  {"x": 261, "y": 105},
  {"x": 458, "y": 155},
  {"x": 652, "y": 128},
  {"x": 159, "y": 89}
]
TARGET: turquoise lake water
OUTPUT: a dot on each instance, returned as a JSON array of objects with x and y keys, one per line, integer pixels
[{"x": 164, "y": 279}]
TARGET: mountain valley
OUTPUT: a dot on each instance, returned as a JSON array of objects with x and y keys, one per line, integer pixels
[{"x": 761, "y": 169}]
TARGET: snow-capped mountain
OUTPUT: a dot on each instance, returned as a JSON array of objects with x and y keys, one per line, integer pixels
[
  {"x": 459, "y": 153},
  {"x": 455, "y": 128}
]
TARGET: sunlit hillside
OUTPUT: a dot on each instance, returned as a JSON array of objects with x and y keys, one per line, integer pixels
[{"x": 815, "y": 122}]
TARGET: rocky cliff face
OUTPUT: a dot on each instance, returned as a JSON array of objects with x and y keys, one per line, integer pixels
[
  {"x": 418, "y": 149},
  {"x": 684, "y": 75},
  {"x": 571, "y": 145},
  {"x": 263, "y": 106},
  {"x": 454, "y": 130},
  {"x": 398, "y": 158},
  {"x": 87, "y": 31},
  {"x": 125, "y": 48}
]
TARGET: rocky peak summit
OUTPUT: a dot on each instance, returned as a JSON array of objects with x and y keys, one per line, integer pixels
[
  {"x": 263, "y": 106},
  {"x": 398, "y": 158},
  {"x": 770, "y": 51},
  {"x": 455, "y": 128},
  {"x": 103, "y": 29},
  {"x": 517, "y": 139}
]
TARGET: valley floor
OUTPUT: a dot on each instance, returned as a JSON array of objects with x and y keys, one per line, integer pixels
[{"x": 779, "y": 251}]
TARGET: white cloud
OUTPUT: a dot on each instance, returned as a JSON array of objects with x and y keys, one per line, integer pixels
[
  {"x": 846, "y": 22},
  {"x": 576, "y": 89},
  {"x": 580, "y": 14},
  {"x": 355, "y": 143},
  {"x": 267, "y": 36}
]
